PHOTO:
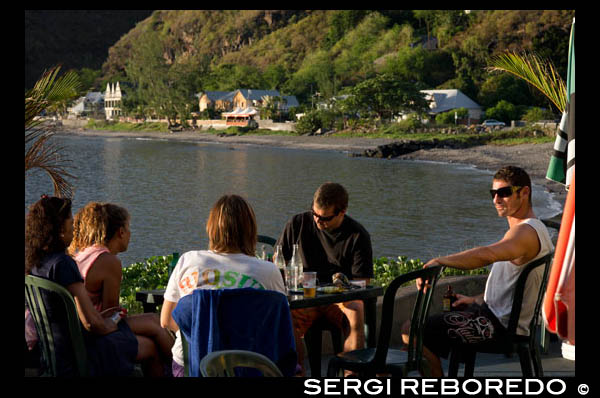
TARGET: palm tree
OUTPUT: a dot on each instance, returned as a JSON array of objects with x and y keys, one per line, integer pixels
[
  {"x": 538, "y": 72},
  {"x": 47, "y": 93}
]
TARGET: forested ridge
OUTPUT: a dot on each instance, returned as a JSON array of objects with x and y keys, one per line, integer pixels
[
  {"x": 325, "y": 51},
  {"x": 318, "y": 54}
]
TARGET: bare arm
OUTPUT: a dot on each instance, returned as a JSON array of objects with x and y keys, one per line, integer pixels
[
  {"x": 89, "y": 316},
  {"x": 519, "y": 245},
  {"x": 166, "y": 317}
]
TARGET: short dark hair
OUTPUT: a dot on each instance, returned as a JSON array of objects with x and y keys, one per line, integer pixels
[
  {"x": 515, "y": 176},
  {"x": 331, "y": 194}
]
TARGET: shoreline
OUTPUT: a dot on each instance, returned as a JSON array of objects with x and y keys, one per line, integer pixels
[{"x": 534, "y": 158}]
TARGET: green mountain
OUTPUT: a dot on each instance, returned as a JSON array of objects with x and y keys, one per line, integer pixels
[{"x": 302, "y": 52}]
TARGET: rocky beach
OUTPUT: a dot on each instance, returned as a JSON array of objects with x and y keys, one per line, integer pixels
[{"x": 534, "y": 158}]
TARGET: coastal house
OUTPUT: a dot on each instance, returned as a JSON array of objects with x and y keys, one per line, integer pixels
[
  {"x": 218, "y": 100},
  {"x": 240, "y": 116},
  {"x": 92, "y": 104},
  {"x": 243, "y": 99},
  {"x": 447, "y": 100},
  {"x": 112, "y": 101}
]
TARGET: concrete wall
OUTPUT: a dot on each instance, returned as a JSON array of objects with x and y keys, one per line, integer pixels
[
  {"x": 74, "y": 123},
  {"x": 268, "y": 124},
  {"x": 405, "y": 299}
]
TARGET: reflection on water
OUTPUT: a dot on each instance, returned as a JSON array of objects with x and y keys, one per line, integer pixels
[{"x": 416, "y": 209}]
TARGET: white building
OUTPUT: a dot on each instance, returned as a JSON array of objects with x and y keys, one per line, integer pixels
[
  {"x": 112, "y": 101},
  {"x": 447, "y": 100},
  {"x": 90, "y": 105}
]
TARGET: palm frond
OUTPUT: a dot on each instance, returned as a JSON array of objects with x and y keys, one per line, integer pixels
[
  {"x": 39, "y": 151},
  {"x": 538, "y": 72}
]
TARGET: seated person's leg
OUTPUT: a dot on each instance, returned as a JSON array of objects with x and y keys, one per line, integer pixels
[
  {"x": 148, "y": 325},
  {"x": 302, "y": 319},
  {"x": 149, "y": 357},
  {"x": 355, "y": 314},
  {"x": 474, "y": 324},
  {"x": 435, "y": 365}
]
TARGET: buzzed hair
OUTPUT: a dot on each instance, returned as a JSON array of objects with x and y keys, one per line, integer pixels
[{"x": 331, "y": 194}]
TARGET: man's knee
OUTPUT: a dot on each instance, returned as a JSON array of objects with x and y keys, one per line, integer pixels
[
  {"x": 354, "y": 311},
  {"x": 405, "y": 330}
]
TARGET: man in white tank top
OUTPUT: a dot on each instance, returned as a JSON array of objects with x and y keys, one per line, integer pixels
[{"x": 486, "y": 315}]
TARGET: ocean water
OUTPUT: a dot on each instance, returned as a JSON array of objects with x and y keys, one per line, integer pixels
[{"x": 410, "y": 208}]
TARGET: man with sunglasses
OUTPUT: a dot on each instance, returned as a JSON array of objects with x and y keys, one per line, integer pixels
[
  {"x": 485, "y": 317},
  {"x": 329, "y": 242}
]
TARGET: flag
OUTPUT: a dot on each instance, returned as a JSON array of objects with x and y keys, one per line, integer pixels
[
  {"x": 559, "y": 303},
  {"x": 562, "y": 161}
]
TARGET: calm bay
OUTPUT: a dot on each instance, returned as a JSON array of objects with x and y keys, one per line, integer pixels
[{"x": 411, "y": 208}]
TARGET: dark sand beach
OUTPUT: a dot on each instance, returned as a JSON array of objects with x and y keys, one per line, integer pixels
[{"x": 534, "y": 158}]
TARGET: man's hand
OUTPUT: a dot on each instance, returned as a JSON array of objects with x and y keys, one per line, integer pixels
[
  {"x": 462, "y": 301},
  {"x": 419, "y": 281}
]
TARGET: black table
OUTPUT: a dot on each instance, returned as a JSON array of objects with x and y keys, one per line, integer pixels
[{"x": 151, "y": 299}]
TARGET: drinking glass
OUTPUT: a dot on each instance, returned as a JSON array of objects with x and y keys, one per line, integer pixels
[{"x": 309, "y": 284}]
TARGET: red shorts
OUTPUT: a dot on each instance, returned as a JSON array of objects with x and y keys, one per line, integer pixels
[{"x": 303, "y": 318}]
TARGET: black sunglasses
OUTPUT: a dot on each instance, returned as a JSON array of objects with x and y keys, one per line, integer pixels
[
  {"x": 504, "y": 192},
  {"x": 325, "y": 219}
]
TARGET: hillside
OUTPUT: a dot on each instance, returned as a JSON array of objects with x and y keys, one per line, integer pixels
[
  {"x": 302, "y": 51},
  {"x": 73, "y": 38}
]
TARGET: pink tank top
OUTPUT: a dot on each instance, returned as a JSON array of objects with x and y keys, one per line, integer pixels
[{"x": 85, "y": 259}]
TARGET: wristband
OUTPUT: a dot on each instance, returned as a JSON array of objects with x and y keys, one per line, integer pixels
[{"x": 116, "y": 317}]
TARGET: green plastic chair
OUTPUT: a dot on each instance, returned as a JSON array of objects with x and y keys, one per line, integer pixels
[
  {"x": 369, "y": 362},
  {"x": 527, "y": 347},
  {"x": 33, "y": 295},
  {"x": 266, "y": 239},
  {"x": 173, "y": 263},
  {"x": 223, "y": 363}
]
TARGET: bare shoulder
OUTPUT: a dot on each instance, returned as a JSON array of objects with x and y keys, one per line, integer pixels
[
  {"x": 525, "y": 239},
  {"x": 107, "y": 262}
]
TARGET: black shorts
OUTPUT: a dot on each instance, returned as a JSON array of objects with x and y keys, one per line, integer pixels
[{"x": 474, "y": 324}]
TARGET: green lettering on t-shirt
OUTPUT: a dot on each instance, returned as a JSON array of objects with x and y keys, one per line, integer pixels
[
  {"x": 253, "y": 282},
  {"x": 229, "y": 278},
  {"x": 216, "y": 276},
  {"x": 243, "y": 281}
]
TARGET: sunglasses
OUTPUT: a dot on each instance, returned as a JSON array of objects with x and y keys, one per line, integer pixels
[
  {"x": 504, "y": 192},
  {"x": 323, "y": 218}
]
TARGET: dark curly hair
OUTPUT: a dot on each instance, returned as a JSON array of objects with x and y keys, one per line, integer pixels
[{"x": 43, "y": 226}]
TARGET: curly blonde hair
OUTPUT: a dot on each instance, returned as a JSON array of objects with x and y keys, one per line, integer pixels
[{"x": 95, "y": 224}]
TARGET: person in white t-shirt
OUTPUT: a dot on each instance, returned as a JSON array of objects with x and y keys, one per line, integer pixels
[
  {"x": 228, "y": 263},
  {"x": 485, "y": 317}
]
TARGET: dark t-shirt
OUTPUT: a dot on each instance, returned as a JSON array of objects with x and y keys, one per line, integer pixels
[
  {"x": 347, "y": 249},
  {"x": 62, "y": 269},
  {"x": 108, "y": 355}
]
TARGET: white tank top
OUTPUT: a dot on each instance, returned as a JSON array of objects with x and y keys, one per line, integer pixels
[{"x": 501, "y": 282}]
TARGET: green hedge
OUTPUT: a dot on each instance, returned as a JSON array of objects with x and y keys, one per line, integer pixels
[
  {"x": 387, "y": 269},
  {"x": 152, "y": 273},
  {"x": 149, "y": 274}
]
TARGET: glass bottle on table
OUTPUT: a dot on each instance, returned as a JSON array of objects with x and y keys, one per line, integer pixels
[
  {"x": 297, "y": 268},
  {"x": 279, "y": 261}
]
